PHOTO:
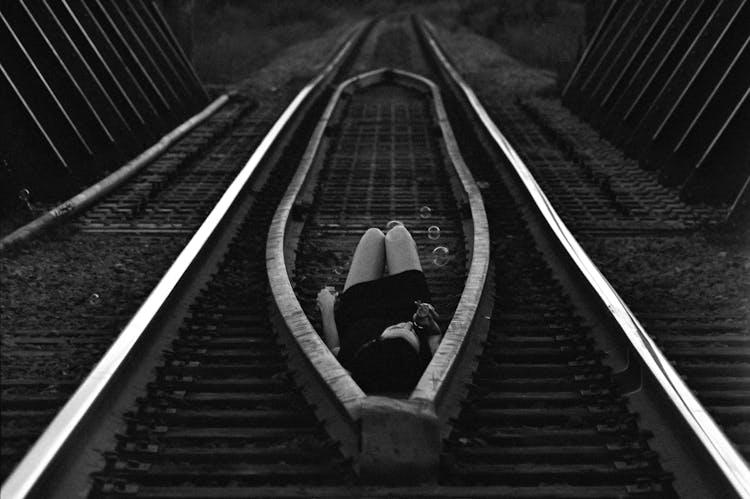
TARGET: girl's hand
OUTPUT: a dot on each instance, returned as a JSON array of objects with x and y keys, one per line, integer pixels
[
  {"x": 425, "y": 318},
  {"x": 326, "y": 298}
]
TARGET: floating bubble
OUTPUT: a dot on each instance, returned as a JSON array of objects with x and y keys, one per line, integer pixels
[
  {"x": 338, "y": 270},
  {"x": 440, "y": 256},
  {"x": 392, "y": 224},
  {"x": 24, "y": 195},
  {"x": 425, "y": 212},
  {"x": 433, "y": 232},
  {"x": 94, "y": 299}
]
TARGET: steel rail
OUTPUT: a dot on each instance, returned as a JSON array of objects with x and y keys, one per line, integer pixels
[
  {"x": 374, "y": 453},
  {"x": 714, "y": 443},
  {"x": 95, "y": 192},
  {"x": 69, "y": 421}
]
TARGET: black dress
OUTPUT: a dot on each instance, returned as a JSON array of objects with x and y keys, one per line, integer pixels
[{"x": 367, "y": 308}]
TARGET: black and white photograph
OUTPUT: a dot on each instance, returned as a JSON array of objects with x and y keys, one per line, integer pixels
[{"x": 374, "y": 249}]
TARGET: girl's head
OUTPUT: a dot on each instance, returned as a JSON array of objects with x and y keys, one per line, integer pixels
[{"x": 389, "y": 364}]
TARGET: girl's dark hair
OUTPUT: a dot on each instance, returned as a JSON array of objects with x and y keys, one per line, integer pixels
[{"x": 390, "y": 365}]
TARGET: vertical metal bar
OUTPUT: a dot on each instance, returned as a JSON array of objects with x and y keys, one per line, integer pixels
[
  {"x": 722, "y": 174},
  {"x": 95, "y": 50},
  {"x": 33, "y": 117},
  {"x": 88, "y": 68},
  {"x": 166, "y": 44},
  {"x": 650, "y": 67},
  {"x": 628, "y": 46},
  {"x": 60, "y": 107},
  {"x": 655, "y": 29},
  {"x": 176, "y": 45},
  {"x": 701, "y": 66},
  {"x": 715, "y": 94},
  {"x": 681, "y": 79},
  {"x": 588, "y": 51},
  {"x": 649, "y": 100},
  {"x": 132, "y": 56},
  {"x": 157, "y": 49},
  {"x": 145, "y": 55},
  {"x": 727, "y": 80},
  {"x": 67, "y": 72},
  {"x": 139, "y": 90},
  {"x": 613, "y": 43}
]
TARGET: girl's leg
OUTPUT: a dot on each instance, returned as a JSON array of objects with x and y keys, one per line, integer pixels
[
  {"x": 401, "y": 251},
  {"x": 368, "y": 260}
]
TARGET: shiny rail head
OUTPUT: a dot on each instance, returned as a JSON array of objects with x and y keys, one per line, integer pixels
[
  {"x": 714, "y": 443},
  {"x": 420, "y": 411},
  {"x": 51, "y": 450}
]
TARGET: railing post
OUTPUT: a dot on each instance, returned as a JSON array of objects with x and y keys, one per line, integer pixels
[{"x": 179, "y": 15}]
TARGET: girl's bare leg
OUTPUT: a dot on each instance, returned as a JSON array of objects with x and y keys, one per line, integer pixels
[
  {"x": 368, "y": 260},
  {"x": 401, "y": 251}
]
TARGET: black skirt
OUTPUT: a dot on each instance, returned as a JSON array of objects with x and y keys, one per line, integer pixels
[{"x": 367, "y": 308}]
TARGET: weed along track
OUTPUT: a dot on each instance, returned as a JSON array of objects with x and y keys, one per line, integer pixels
[{"x": 543, "y": 386}]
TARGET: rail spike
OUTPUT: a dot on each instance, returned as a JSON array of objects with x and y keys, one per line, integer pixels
[{"x": 393, "y": 441}]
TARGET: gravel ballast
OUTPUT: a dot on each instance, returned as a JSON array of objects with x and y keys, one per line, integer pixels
[
  {"x": 66, "y": 295},
  {"x": 704, "y": 270}
]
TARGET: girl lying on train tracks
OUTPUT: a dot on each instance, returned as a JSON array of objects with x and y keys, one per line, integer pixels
[{"x": 383, "y": 330}]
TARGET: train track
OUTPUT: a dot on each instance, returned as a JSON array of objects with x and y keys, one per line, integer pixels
[{"x": 237, "y": 396}]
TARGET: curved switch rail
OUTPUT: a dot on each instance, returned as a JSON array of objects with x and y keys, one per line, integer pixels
[{"x": 356, "y": 419}]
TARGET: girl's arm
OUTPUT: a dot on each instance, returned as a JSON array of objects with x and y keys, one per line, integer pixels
[
  {"x": 434, "y": 341},
  {"x": 326, "y": 300},
  {"x": 425, "y": 318}
]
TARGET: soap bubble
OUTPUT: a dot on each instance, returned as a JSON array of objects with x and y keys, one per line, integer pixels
[
  {"x": 338, "y": 270},
  {"x": 425, "y": 212},
  {"x": 440, "y": 256},
  {"x": 94, "y": 299},
  {"x": 433, "y": 232},
  {"x": 25, "y": 197},
  {"x": 392, "y": 224}
]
